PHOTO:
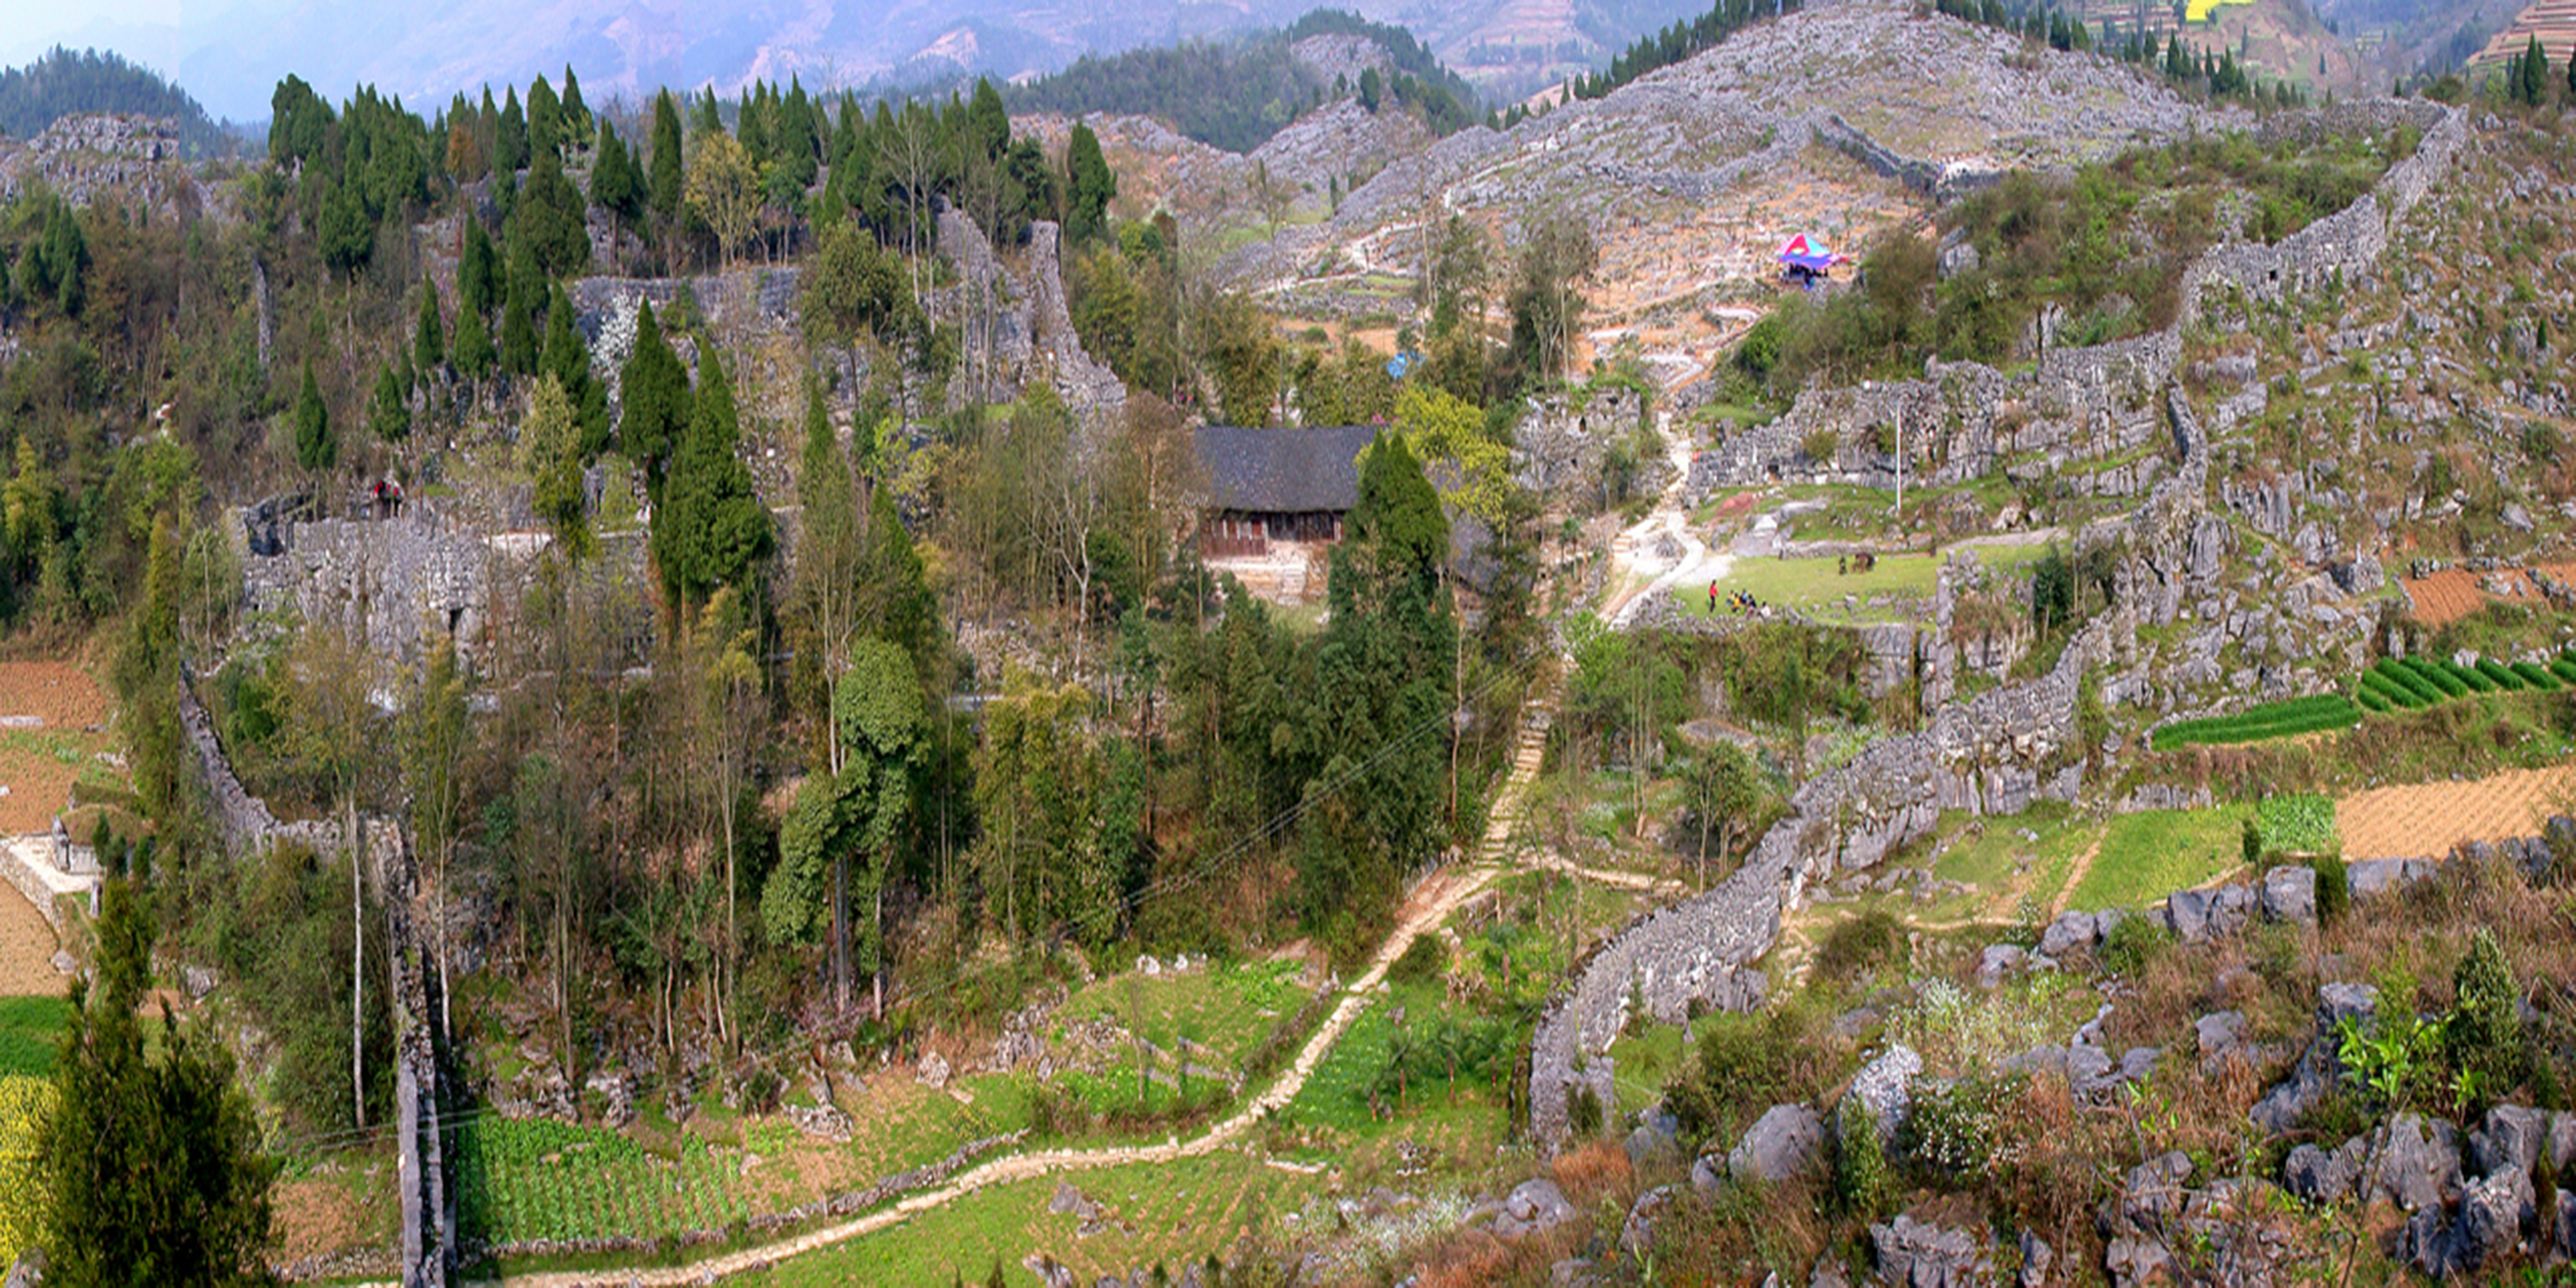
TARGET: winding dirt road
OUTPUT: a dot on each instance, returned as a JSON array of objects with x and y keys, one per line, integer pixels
[{"x": 1430, "y": 903}]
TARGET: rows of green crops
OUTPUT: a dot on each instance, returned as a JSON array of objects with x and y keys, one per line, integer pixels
[
  {"x": 2390, "y": 685},
  {"x": 2270, "y": 720},
  {"x": 519, "y": 1181}
]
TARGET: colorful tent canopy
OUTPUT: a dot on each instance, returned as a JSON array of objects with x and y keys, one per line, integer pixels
[{"x": 1803, "y": 252}]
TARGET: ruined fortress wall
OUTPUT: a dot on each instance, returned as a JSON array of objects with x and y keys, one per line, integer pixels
[{"x": 1994, "y": 755}]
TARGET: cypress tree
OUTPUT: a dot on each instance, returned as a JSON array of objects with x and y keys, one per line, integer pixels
[
  {"x": 614, "y": 186},
  {"x": 474, "y": 354},
  {"x": 389, "y": 413},
  {"x": 653, "y": 396},
  {"x": 710, "y": 526},
  {"x": 567, "y": 359},
  {"x": 428, "y": 339},
  {"x": 315, "y": 446},
  {"x": 510, "y": 144},
  {"x": 666, "y": 157},
  {"x": 518, "y": 312},
  {"x": 576, "y": 114},
  {"x": 476, "y": 273},
  {"x": 545, "y": 121},
  {"x": 2535, "y": 73}
]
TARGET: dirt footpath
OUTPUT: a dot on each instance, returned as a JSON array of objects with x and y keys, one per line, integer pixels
[{"x": 2426, "y": 819}]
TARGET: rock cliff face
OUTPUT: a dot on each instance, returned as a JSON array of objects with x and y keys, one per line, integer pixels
[
  {"x": 1014, "y": 329},
  {"x": 84, "y": 157},
  {"x": 2009, "y": 746}
]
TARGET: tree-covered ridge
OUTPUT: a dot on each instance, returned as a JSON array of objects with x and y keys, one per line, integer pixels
[
  {"x": 67, "y": 83},
  {"x": 1679, "y": 41},
  {"x": 1235, "y": 95}
]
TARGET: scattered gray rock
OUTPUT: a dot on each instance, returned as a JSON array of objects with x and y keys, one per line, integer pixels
[
  {"x": 1886, "y": 1086},
  {"x": 1829, "y": 1273},
  {"x": 2510, "y": 1139},
  {"x": 28, "y": 1271},
  {"x": 1785, "y": 1141},
  {"x": 1656, "y": 1138},
  {"x": 1998, "y": 963},
  {"x": 1050, "y": 1271},
  {"x": 2319, "y": 1177},
  {"x": 2071, "y": 930},
  {"x": 2221, "y": 1036},
  {"x": 2494, "y": 1211},
  {"x": 2036, "y": 1256},
  {"x": 1637, "y": 1233},
  {"x": 2320, "y": 1066},
  {"x": 199, "y": 982},
  {"x": 2151, "y": 1196},
  {"x": 1914, "y": 1255},
  {"x": 1533, "y": 1206},
  {"x": 2419, "y": 1163},
  {"x": 2290, "y": 895},
  {"x": 1708, "y": 1174},
  {"x": 933, "y": 1072}
]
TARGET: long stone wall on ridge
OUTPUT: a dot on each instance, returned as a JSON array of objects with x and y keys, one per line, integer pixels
[{"x": 1999, "y": 751}]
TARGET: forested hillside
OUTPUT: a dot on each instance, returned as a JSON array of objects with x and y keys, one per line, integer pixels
[
  {"x": 1236, "y": 94},
  {"x": 64, "y": 82}
]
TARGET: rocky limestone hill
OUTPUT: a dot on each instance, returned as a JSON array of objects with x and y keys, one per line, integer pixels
[{"x": 85, "y": 157}]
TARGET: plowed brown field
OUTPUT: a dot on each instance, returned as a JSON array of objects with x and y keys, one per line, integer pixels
[
  {"x": 2454, "y": 593},
  {"x": 26, "y": 948},
  {"x": 53, "y": 724},
  {"x": 2419, "y": 819}
]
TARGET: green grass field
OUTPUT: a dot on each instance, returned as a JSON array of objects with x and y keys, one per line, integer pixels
[
  {"x": 1811, "y": 586},
  {"x": 31, "y": 1034},
  {"x": 2149, "y": 855},
  {"x": 1167, "y": 1213}
]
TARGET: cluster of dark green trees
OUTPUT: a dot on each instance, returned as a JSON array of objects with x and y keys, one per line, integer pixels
[
  {"x": 2527, "y": 76},
  {"x": 2220, "y": 76},
  {"x": 1236, "y": 94},
  {"x": 1676, "y": 43},
  {"x": 64, "y": 83}
]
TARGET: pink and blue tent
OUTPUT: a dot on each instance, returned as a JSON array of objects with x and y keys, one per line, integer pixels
[{"x": 1804, "y": 252}]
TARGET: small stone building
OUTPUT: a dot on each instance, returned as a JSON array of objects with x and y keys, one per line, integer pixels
[{"x": 1275, "y": 502}]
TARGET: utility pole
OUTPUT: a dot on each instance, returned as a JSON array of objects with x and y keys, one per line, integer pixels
[{"x": 1900, "y": 473}]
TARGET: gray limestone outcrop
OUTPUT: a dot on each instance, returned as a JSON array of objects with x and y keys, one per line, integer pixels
[{"x": 2012, "y": 745}]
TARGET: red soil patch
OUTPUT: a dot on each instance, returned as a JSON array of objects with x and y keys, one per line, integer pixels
[{"x": 2454, "y": 593}]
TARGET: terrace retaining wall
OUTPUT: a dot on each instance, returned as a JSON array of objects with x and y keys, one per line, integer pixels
[{"x": 2004, "y": 748}]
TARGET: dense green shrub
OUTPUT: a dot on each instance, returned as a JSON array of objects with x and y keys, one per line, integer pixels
[
  {"x": 2473, "y": 679},
  {"x": 2500, "y": 674},
  {"x": 1423, "y": 960},
  {"x": 2483, "y": 1033},
  {"x": 2535, "y": 676},
  {"x": 2133, "y": 943},
  {"x": 1744, "y": 1065},
  {"x": 2334, "y": 888},
  {"x": 1860, "y": 944},
  {"x": 1861, "y": 1181}
]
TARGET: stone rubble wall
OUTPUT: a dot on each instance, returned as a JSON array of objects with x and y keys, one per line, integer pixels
[
  {"x": 396, "y": 582},
  {"x": 87, "y": 156},
  {"x": 1016, "y": 321},
  {"x": 2001, "y": 750},
  {"x": 248, "y": 826}
]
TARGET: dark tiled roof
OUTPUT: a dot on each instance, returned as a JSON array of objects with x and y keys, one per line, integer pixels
[{"x": 1283, "y": 471}]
